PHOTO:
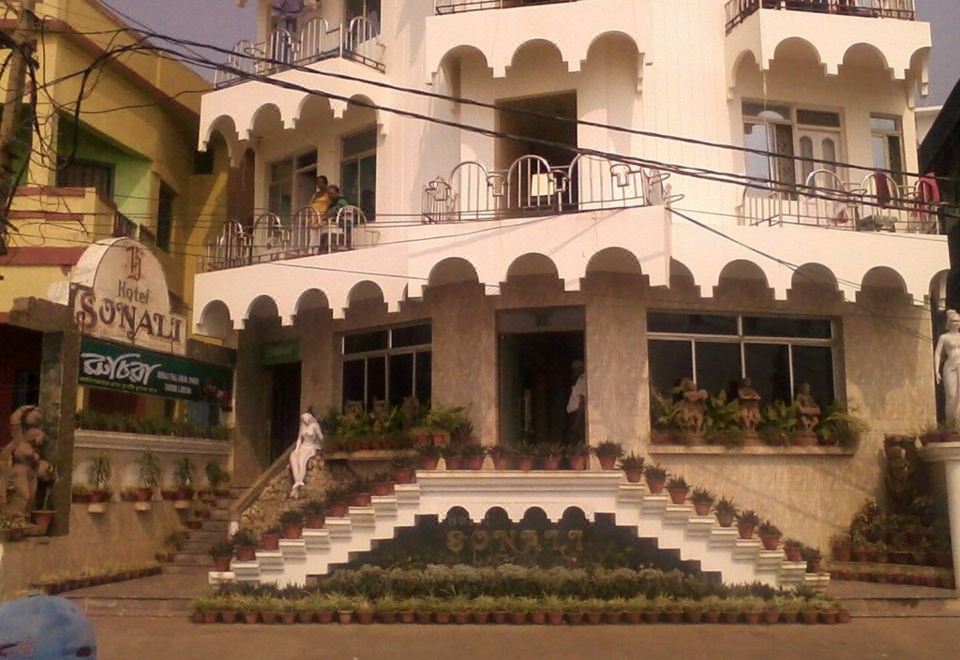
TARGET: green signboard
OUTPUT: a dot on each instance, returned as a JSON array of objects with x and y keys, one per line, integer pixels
[
  {"x": 280, "y": 352},
  {"x": 135, "y": 371}
]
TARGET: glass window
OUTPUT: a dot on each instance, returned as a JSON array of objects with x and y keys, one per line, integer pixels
[
  {"x": 699, "y": 324},
  {"x": 768, "y": 366},
  {"x": 424, "y": 378},
  {"x": 718, "y": 366},
  {"x": 401, "y": 377},
  {"x": 814, "y": 365},
  {"x": 376, "y": 380},
  {"x": 368, "y": 9},
  {"x": 413, "y": 335},
  {"x": 165, "y": 216},
  {"x": 87, "y": 174},
  {"x": 358, "y": 171},
  {"x": 366, "y": 342},
  {"x": 887, "y": 145},
  {"x": 782, "y": 326},
  {"x": 818, "y": 118},
  {"x": 669, "y": 362},
  {"x": 390, "y": 366},
  {"x": 293, "y": 182},
  {"x": 354, "y": 378}
]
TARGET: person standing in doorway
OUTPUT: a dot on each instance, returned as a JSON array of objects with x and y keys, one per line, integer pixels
[{"x": 577, "y": 406}]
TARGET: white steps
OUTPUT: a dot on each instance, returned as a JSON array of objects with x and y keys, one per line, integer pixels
[{"x": 673, "y": 526}]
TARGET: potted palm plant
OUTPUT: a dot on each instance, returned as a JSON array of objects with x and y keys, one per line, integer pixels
[
  {"x": 403, "y": 472},
  {"x": 769, "y": 535},
  {"x": 292, "y": 522},
  {"x": 726, "y": 512},
  {"x": 429, "y": 456},
  {"x": 452, "y": 456},
  {"x": 702, "y": 500},
  {"x": 655, "y": 477},
  {"x": 222, "y": 553},
  {"x": 632, "y": 466},
  {"x": 244, "y": 544},
  {"x": 678, "y": 489},
  {"x": 148, "y": 471},
  {"x": 314, "y": 514},
  {"x": 577, "y": 456},
  {"x": 665, "y": 415},
  {"x": 608, "y": 452},
  {"x": 500, "y": 455},
  {"x": 793, "y": 549},
  {"x": 747, "y": 523},
  {"x": 551, "y": 455},
  {"x": 270, "y": 538},
  {"x": 98, "y": 476},
  {"x": 217, "y": 477},
  {"x": 183, "y": 477},
  {"x": 472, "y": 454}
]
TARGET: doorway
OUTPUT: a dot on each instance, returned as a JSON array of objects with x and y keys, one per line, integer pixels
[
  {"x": 284, "y": 407},
  {"x": 536, "y": 353}
]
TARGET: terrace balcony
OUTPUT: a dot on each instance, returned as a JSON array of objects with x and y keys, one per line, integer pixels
[
  {"x": 877, "y": 203},
  {"x": 359, "y": 41},
  {"x": 458, "y": 6},
  {"x": 738, "y": 10}
]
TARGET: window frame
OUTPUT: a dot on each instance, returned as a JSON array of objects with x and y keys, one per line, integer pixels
[
  {"x": 386, "y": 353},
  {"x": 743, "y": 340},
  {"x": 885, "y": 135},
  {"x": 358, "y": 157},
  {"x": 295, "y": 171}
]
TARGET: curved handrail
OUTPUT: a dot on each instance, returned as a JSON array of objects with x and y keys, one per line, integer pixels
[{"x": 315, "y": 39}]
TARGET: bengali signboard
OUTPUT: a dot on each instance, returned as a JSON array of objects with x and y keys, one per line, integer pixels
[
  {"x": 136, "y": 371},
  {"x": 122, "y": 295}
]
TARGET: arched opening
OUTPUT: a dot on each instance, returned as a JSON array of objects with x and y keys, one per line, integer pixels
[
  {"x": 312, "y": 300},
  {"x": 814, "y": 280},
  {"x": 453, "y": 270},
  {"x": 884, "y": 280},
  {"x": 365, "y": 293},
  {"x": 215, "y": 320},
  {"x": 532, "y": 265},
  {"x": 262, "y": 307},
  {"x": 742, "y": 277}
]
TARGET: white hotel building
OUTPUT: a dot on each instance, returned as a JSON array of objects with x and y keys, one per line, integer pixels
[{"x": 473, "y": 268}]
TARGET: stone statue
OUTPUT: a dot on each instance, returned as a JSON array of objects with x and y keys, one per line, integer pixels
[
  {"x": 309, "y": 441},
  {"x": 949, "y": 373},
  {"x": 21, "y": 465},
  {"x": 691, "y": 406},
  {"x": 808, "y": 412},
  {"x": 749, "y": 400}
]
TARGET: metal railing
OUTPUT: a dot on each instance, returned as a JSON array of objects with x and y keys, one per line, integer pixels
[
  {"x": 877, "y": 203},
  {"x": 531, "y": 186},
  {"x": 306, "y": 233},
  {"x": 123, "y": 227},
  {"x": 739, "y": 10},
  {"x": 460, "y": 6},
  {"x": 359, "y": 40}
]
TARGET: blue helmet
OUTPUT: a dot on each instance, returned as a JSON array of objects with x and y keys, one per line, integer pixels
[{"x": 45, "y": 628}]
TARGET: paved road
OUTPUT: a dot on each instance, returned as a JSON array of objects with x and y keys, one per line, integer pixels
[{"x": 899, "y": 639}]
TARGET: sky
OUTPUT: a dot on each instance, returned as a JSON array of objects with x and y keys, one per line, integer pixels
[{"x": 222, "y": 23}]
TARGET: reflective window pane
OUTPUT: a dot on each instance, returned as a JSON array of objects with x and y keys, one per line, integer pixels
[
  {"x": 768, "y": 366},
  {"x": 779, "y": 326},
  {"x": 353, "y": 377},
  {"x": 401, "y": 378},
  {"x": 414, "y": 335},
  {"x": 364, "y": 342},
  {"x": 424, "y": 378},
  {"x": 814, "y": 365},
  {"x": 718, "y": 367},
  {"x": 669, "y": 362},
  {"x": 376, "y": 380},
  {"x": 700, "y": 324}
]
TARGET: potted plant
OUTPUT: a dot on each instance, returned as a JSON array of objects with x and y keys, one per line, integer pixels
[
  {"x": 148, "y": 471},
  {"x": 292, "y": 522},
  {"x": 747, "y": 522},
  {"x": 480, "y": 607},
  {"x": 452, "y": 456},
  {"x": 702, "y": 500},
  {"x": 387, "y": 609},
  {"x": 633, "y": 609},
  {"x": 656, "y": 478},
  {"x": 80, "y": 494},
  {"x": 407, "y": 608},
  {"x": 244, "y": 544},
  {"x": 712, "y": 607},
  {"x": 769, "y": 535},
  {"x": 553, "y": 609},
  {"x": 726, "y": 512},
  {"x": 678, "y": 489},
  {"x": 314, "y": 514},
  {"x": 793, "y": 549},
  {"x": 608, "y": 452},
  {"x": 472, "y": 454},
  {"x": 429, "y": 456},
  {"x": 524, "y": 457},
  {"x": 813, "y": 558},
  {"x": 382, "y": 484},
  {"x": 664, "y": 415},
  {"x": 578, "y": 456},
  {"x": 364, "y": 610},
  {"x": 752, "y": 607},
  {"x": 217, "y": 477},
  {"x": 222, "y": 553},
  {"x": 183, "y": 477},
  {"x": 551, "y": 455},
  {"x": 500, "y": 455},
  {"x": 842, "y": 426},
  {"x": 270, "y": 538},
  {"x": 842, "y": 547},
  {"x": 632, "y": 465},
  {"x": 98, "y": 476},
  {"x": 721, "y": 423},
  {"x": 779, "y": 420},
  {"x": 336, "y": 500}
]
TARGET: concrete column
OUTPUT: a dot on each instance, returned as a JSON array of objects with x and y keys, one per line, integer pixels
[
  {"x": 949, "y": 454},
  {"x": 58, "y": 401}
]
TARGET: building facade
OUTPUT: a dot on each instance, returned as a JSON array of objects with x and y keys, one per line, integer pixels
[{"x": 702, "y": 189}]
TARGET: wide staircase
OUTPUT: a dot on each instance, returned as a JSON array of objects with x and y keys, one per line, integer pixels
[
  {"x": 436, "y": 493},
  {"x": 183, "y": 579}
]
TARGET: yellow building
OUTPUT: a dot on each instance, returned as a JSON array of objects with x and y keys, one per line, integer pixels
[{"x": 124, "y": 165}]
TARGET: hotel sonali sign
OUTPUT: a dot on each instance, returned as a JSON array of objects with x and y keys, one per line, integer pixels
[{"x": 121, "y": 295}]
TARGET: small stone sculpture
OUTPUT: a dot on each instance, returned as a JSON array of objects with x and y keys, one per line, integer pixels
[
  {"x": 749, "y": 400},
  {"x": 309, "y": 441},
  {"x": 691, "y": 407},
  {"x": 808, "y": 412},
  {"x": 21, "y": 465},
  {"x": 949, "y": 374}
]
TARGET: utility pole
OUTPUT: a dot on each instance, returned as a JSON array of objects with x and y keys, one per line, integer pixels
[{"x": 22, "y": 44}]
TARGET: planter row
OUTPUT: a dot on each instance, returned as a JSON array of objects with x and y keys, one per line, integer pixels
[
  {"x": 72, "y": 584},
  {"x": 933, "y": 581},
  {"x": 932, "y": 558},
  {"x": 523, "y": 618}
]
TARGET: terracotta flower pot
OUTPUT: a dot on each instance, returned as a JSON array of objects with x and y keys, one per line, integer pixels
[
  {"x": 246, "y": 553},
  {"x": 634, "y": 475},
  {"x": 661, "y": 437},
  {"x": 711, "y": 616},
  {"x": 338, "y": 510},
  {"x": 842, "y": 552},
  {"x": 523, "y": 463},
  {"x": 481, "y": 618},
  {"x": 501, "y": 462},
  {"x": 810, "y": 616},
  {"x": 655, "y": 486},
  {"x": 574, "y": 618},
  {"x": 674, "y": 616},
  {"x": 288, "y": 618},
  {"x": 607, "y": 462},
  {"x": 429, "y": 462},
  {"x": 454, "y": 462},
  {"x": 383, "y": 488},
  {"x": 364, "y": 618},
  {"x": 651, "y": 616},
  {"x": 424, "y": 616},
  {"x": 555, "y": 617},
  {"x": 731, "y": 617},
  {"x": 293, "y": 532},
  {"x": 314, "y": 521},
  {"x": 753, "y": 618},
  {"x": 693, "y": 615},
  {"x": 746, "y": 531},
  {"x": 843, "y": 616},
  {"x": 551, "y": 462},
  {"x": 538, "y": 617},
  {"x": 251, "y": 617},
  {"x": 42, "y": 520},
  {"x": 210, "y": 616},
  {"x": 461, "y": 618},
  {"x": 793, "y": 553},
  {"x": 222, "y": 564},
  {"x": 270, "y": 541},
  {"x": 702, "y": 508},
  {"x": 593, "y": 618},
  {"x": 578, "y": 462},
  {"x": 770, "y": 542},
  {"x": 144, "y": 494},
  {"x": 500, "y": 616},
  {"x": 789, "y": 617},
  {"x": 473, "y": 463},
  {"x": 407, "y": 616},
  {"x": 633, "y": 618},
  {"x": 726, "y": 519},
  {"x": 305, "y": 617},
  {"x": 612, "y": 618},
  {"x": 518, "y": 618},
  {"x": 360, "y": 499},
  {"x": 270, "y": 617},
  {"x": 828, "y": 617},
  {"x": 441, "y": 617},
  {"x": 404, "y": 475},
  {"x": 345, "y": 616}
]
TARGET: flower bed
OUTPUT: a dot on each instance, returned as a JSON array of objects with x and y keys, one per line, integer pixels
[
  {"x": 893, "y": 574},
  {"x": 55, "y": 584},
  {"x": 121, "y": 423}
]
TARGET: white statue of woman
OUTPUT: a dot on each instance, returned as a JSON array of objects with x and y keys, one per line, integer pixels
[
  {"x": 308, "y": 444},
  {"x": 949, "y": 374}
]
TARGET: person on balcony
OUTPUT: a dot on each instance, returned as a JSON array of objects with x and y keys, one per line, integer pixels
[
  {"x": 337, "y": 202},
  {"x": 320, "y": 201}
]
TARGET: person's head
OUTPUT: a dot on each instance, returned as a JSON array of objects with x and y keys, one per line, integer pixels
[
  {"x": 322, "y": 183},
  {"x": 577, "y": 367},
  {"x": 333, "y": 192}
]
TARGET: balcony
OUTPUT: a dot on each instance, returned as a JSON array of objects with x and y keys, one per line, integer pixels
[
  {"x": 878, "y": 203},
  {"x": 739, "y": 10},
  {"x": 458, "y": 6},
  {"x": 358, "y": 41},
  {"x": 530, "y": 186},
  {"x": 270, "y": 238}
]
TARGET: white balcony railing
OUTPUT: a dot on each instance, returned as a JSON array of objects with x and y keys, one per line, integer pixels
[
  {"x": 359, "y": 40},
  {"x": 877, "y": 203},
  {"x": 306, "y": 233},
  {"x": 531, "y": 186},
  {"x": 459, "y": 6},
  {"x": 739, "y": 10}
]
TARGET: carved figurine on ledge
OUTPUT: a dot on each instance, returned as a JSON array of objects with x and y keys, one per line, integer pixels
[
  {"x": 309, "y": 442},
  {"x": 808, "y": 412},
  {"x": 949, "y": 374},
  {"x": 21, "y": 465},
  {"x": 749, "y": 400},
  {"x": 691, "y": 407}
]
